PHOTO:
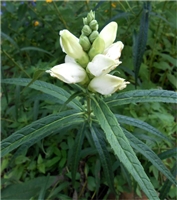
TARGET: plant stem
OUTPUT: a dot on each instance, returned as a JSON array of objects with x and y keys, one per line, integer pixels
[
  {"x": 153, "y": 53},
  {"x": 88, "y": 108},
  {"x": 16, "y": 63},
  {"x": 59, "y": 15}
]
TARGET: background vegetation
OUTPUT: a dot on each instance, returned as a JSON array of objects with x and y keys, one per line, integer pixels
[{"x": 30, "y": 45}]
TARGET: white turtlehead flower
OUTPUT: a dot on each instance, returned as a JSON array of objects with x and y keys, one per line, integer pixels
[
  {"x": 71, "y": 46},
  {"x": 107, "y": 84},
  {"x": 69, "y": 73},
  {"x": 108, "y": 33},
  {"x": 101, "y": 65}
]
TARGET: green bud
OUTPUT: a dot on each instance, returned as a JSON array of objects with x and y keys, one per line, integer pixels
[
  {"x": 84, "y": 42},
  {"x": 85, "y": 21},
  {"x": 90, "y": 16},
  {"x": 83, "y": 61},
  {"x": 86, "y": 30},
  {"x": 98, "y": 47},
  {"x": 93, "y": 36},
  {"x": 94, "y": 25}
]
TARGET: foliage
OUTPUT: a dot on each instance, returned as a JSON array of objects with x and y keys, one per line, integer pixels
[{"x": 60, "y": 141}]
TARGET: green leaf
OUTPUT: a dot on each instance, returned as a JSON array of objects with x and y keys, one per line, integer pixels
[
  {"x": 47, "y": 88},
  {"x": 74, "y": 95},
  {"x": 104, "y": 156},
  {"x": 140, "y": 124},
  {"x": 5, "y": 36},
  {"x": 166, "y": 187},
  {"x": 138, "y": 96},
  {"x": 75, "y": 156},
  {"x": 121, "y": 147},
  {"x": 28, "y": 189},
  {"x": 149, "y": 154},
  {"x": 139, "y": 41},
  {"x": 40, "y": 129},
  {"x": 35, "y": 49},
  {"x": 36, "y": 75},
  {"x": 168, "y": 154}
]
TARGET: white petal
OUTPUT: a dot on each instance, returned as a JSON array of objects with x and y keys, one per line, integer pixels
[
  {"x": 101, "y": 65},
  {"x": 68, "y": 73},
  {"x": 66, "y": 41},
  {"x": 114, "y": 50},
  {"x": 108, "y": 33},
  {"x": 69, "y": 59},
  {"x": 107, "y": 84}
]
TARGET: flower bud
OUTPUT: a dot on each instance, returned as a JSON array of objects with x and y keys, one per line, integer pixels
[
  {"x": 70, "y": 45},
  {"x": 90, "y": 16},
  {"x": 85, "y": 21},
  {"x": 85, "y": 43},
  {"x": 107, "y": 84},
  {"x": 93, "y": 36},
  {"x": 97, "y": 47},
  {"x": 86, "y": 30},
  {"x": 94, "y": 25},
  {"x": 69, "y": 73}
]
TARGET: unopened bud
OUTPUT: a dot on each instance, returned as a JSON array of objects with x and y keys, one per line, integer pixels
[
  {"x": 94, "y": 25},
  {"x": 84, "y": 42},
  {"x": 93, "y": 36},
  {"x": 85, "y": 21},
  {"x": 86, "y": 30},
  {"x": 98, "y": 47},
  {"x": 90, "y": 16}
]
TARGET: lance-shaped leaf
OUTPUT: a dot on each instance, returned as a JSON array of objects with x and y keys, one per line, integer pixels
[
  {"x": 104, "y": 156},
  {"x": 166, "y": 187},
  {"x": 139, "y": 41},
  {"x": 140, "y": 124},
  {"x": 138, "y": 96},
  {"x": 41, "y": 128},
  {"x": 149, "y": 154},
  {"x": 76, "y": 149},
  {"x": 121, "y": 147},
  {"x": 47, "y": 88}
]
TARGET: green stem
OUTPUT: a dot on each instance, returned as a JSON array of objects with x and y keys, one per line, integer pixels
[
  {"x": 87, "y": 5},
  {"x": 89, "y": 108},
  {"x": 153, "y": 53},
  {"x": 131, "y": 24},
  {"x": 15, "y": 63},
  {"x": 60, "y": 16},
  {"x": 122, "y": 6}
]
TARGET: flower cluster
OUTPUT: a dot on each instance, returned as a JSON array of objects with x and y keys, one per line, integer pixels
[{"x": 91, "y": 57}]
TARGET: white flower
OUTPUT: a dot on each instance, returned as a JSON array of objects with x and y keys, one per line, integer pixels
[
  {"x": 69, "y": 73},
  {"x": 70, "y": 45},
  {"x": 107, "y": 84},
  {"x": 101, "y": 65},
  {"x": 108, "y": 33}
]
